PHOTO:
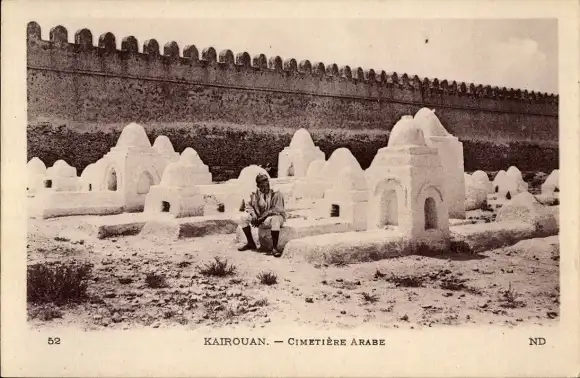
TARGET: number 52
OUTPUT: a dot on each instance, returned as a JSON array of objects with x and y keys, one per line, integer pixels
[{"x": 53, "y": 340}]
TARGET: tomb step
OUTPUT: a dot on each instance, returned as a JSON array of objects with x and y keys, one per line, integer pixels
[
  {"x": 486, "y": 236},
  {"x": 295, "y": 228},
  {"x": 114, "y": 225},
  {"x": 167, "y": 227},
  {"x": 348, "y": 247}
]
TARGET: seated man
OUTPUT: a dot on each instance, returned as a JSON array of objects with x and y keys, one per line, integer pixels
[{"x": 265, "y": 210}]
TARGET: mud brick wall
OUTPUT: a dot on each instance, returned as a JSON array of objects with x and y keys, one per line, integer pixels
[{"x": 236, "y": 110}]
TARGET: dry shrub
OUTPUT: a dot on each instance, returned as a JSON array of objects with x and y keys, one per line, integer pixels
[
  {"x": 369, "y": 298},
  {"x": 509, "y": 298},
  {"x": 57, "y": 283},
  {"x": 46, "y": 312},
  {"x": 268, "y": 278},
  {"x": 406, "y": 280},
  {"x": 218, "y": 268},
  {"x": 156, "y": 281}
]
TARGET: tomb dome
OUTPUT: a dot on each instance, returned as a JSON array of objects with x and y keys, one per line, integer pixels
[
  {"x": 163, "y": 145},
  {"x": 351, "y": 178},
  {"x": 190, "y": 156},
  {"x": 179, "y": 175},
  {"x": 133, "y": 135},
  {"x": 36, "y": 166},
  {"x": 553, "y": 178},
  {"x": 514, "y": 172},
  {"x": 249, "y": 173},
  {"x": 301, "y": 140},
  {"x": 499, "y": 175},
  {"x": 340, "y": 158},
  {"x": 62, "y": 169},
  {"x": 480, "y": 176},
  {"x": 405, "y": 133},
  {"x": 89, "y": 169},
  {"x": 315, "y": 168},
  {"x": 429, "y": 123}
]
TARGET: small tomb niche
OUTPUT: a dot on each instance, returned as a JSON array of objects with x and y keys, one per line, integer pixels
[
  {"x": 430, "y": 209},
  {"x": 48, "y": 184},
  {"x": 145, "y": 182},
  {"x": 112, "y": 180},
  {"x": 389, "y": 209},
  {"x": 165, "y": 206},
  {"x": 334, "y": 211}
]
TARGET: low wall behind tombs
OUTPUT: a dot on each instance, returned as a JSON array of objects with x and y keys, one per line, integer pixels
[{"x": 236, "y": 111}]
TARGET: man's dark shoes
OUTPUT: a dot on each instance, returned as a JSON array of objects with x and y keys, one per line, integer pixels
[{"x": 249, "y": 246}]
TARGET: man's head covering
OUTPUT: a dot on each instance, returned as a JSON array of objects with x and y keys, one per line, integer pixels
[{"x": 261, "y": 177}]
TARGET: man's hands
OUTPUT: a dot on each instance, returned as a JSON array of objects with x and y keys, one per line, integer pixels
[{"x": 257, "y": 221}]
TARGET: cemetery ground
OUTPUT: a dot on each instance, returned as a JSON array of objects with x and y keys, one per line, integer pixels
[{"x": 134, "y": 282}]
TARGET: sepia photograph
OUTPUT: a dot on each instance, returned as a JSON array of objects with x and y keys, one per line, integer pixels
[{"x": 337, "y": 173}]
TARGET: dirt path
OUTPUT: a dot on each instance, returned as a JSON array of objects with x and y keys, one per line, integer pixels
[{"x": 508, "y": 286}]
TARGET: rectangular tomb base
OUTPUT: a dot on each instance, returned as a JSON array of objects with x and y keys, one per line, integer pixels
[
  {"x": 63, "y": 204},
  {"x": 348, "y": 247},
  {"x": 167, "y": 227},
  {"x": 486, "y": 236},
  {"x": 115, "y": 225},
  {"x": 295, "y": 228}
]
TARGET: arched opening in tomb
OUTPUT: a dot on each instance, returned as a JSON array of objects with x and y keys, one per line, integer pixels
[
  {"x": 556, "y": 190},
  {"x": 112, "y": 180},
  {"x": 291, "y": 170},
  {"x": 334, "y": 211},
  {"x": 90, "y": 187},
  {"x": 508, "y": 196},
  {"x": 496, "y": 189},
  {"x": 389, "y": 209},
  {"x": 430, "y": 214},
  {"x": 144, "y": 183},
  {"x": 165, "y": 206},
  {"x": 48, "y": 183}
]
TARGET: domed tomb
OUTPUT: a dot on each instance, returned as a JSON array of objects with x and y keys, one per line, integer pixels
[
  {"x": 302, "y": 140},
  {"x": 294, "y": 160},
  {"x": 61, "y": 177},
  {"x": 552, "y": 183},
  {"x": 482, "y": 178},
  {"x": 133, "y": 135},
  {"x": 499, "y": 176},
  {"x": 450, "y": 151},
  {"x": 475, "y": 193},
  {"x": 178, "y": 193},
  {"x": 515, "y": 173},
  {"x": 61, "y": 169},
  {"x": 36, "y": 166},
  {"x": 312, "y": 186},
  {"x": 179, "y": 175},
  {"x": 406, "y": 133},
  {"x": 347, "y": 198},
  {"x": 36, "y": 171},
  {"x": 340, "y": 159},
  {"x": 429, "y": 123},
  {"x": 163, "y": 145},
  {"x": 190, "y": 158}
]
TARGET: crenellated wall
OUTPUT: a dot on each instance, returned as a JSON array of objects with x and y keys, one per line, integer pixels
[{"x": 82, "y": 89}]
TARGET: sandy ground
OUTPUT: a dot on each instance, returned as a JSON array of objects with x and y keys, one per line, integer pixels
[{"x": 509, "y": 286}]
